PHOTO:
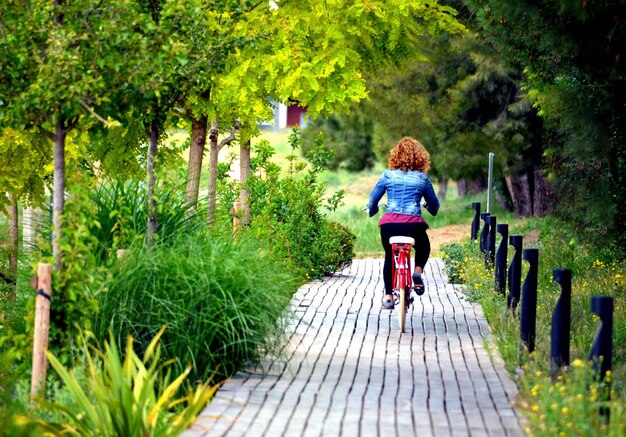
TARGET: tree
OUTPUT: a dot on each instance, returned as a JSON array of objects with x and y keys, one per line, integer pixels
[
  {"x": 319, "y": 51},
  {"x": 56, "y": 72},
  {"x": 572, "y": 56},
  {"x": 209, "y": 31},
  {"x": 23, "y": 176},
  {"x": 349, "y": 136}
]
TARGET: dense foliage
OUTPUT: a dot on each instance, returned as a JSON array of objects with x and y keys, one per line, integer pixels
[
  {"x": 348, "y": 136},
  {"x": 573, "y": 59},
  {"x": 288, "y": 211}
]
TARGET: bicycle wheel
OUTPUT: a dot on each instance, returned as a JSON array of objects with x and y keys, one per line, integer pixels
[{"x": 402, "y": 309}]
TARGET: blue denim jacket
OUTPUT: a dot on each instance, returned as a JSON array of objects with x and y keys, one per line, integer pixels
[{"x": 405, "y": 190}]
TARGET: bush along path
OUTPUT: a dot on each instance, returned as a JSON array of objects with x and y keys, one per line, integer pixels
[{"x": 347, "y": 370}]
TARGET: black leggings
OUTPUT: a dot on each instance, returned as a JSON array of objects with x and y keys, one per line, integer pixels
[{"x": 417, "y": 231}]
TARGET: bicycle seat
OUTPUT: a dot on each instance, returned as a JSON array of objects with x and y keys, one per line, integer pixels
[{"x": 402, "y": 240}]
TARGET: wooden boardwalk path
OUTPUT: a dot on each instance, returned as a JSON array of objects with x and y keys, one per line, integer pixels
[{"x": 348, "y": 370}]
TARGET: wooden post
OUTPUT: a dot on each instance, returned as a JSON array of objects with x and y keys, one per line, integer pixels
[
  {"x": 42, "y": 328},
  {"x": 236, "y": 211}
]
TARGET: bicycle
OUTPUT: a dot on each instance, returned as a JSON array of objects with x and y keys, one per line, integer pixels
[{"x": 402, "y": 279}]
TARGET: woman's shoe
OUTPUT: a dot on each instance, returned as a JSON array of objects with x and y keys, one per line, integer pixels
[
  {"x": 388, "y": 302},
  {"x": 418, "y": 283}
]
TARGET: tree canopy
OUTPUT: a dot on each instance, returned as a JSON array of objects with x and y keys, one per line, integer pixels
[{"x": 572, "y": 55}]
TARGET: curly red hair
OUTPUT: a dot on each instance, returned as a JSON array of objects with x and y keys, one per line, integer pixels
[{"x": 409, "y": 154}]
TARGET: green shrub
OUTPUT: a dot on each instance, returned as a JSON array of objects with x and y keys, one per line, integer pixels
[
  {"x": 222, "y": 301},
  {"x": 96, "y": 222},
  {"x": 11, "y": 406},
  {"x": 455, "y": 256},
  {"x": 75, "y": 287},
  {"x": 337, "y": 246},
  {"x": 287, "y": 212}
]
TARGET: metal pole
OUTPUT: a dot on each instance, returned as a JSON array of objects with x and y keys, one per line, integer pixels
[{"x": 490, "y": 182}]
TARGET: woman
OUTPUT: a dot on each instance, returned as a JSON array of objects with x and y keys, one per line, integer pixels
[{"x": 405, "y": 183}]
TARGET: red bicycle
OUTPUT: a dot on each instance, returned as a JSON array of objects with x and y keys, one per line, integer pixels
[{"x": 401, "y": 275}]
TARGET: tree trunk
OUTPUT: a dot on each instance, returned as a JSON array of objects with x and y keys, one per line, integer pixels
[
  {"x": 520, "y": 190},
  {"x": 59, "y": 193},
  {"x": 461, "y": 188},
  {"x": 443, "y": 188},
  {"x": 476, "y": 186},
  {"x": 465, "y": 187},
  {"x": 244, "y": 194},
  {"x": 540, "y": 195},
  {"x": 14, "y": 237},
  {"x": 151, "y": 181},
  {"x": 213, "y": 157},
  {"x": 196, "y": 154}
]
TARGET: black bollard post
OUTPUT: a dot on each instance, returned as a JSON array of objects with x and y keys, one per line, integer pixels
[
  {"x": 528, "y": 322},
  {"x": 484, "y": 232},
  {"x": 475, "y": 221},
  {"x": 490, "y": 254},
  {"x": 561, "y": 322},
  {"x": 501, "y": 254},
  {"x": 602, "y": 348},
  {"x": 515, "y": 272}
]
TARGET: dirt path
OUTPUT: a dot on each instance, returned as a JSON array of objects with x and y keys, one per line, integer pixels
[{"x": 447, "y": 234}]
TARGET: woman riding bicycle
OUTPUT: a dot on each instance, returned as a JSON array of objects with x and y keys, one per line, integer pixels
[{"x": 405, "y": 183}]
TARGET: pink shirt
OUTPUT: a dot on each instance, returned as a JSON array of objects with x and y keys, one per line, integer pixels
[{"x": 393, "y": 217}]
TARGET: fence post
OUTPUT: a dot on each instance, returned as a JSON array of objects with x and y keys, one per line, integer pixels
[
  {"x": 475, "y": 221},
  {"x": 490, "y": 254},
  {"x": 501, "y": 255},
  {"x": 528, "y": 319},
  {"x": 42, "y": 329},
  {"x": 236, "y": 210},
  {"x": 602, "y": 348},
  {"x": 561, "y": 322},
  {"x": 484, "y": 233},
  {"x": 515, "y": 272}
]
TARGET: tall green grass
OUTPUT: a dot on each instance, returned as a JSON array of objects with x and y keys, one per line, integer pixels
[
  {"x": 120, "y": 210},
  {"x": 222, "y": 302}
]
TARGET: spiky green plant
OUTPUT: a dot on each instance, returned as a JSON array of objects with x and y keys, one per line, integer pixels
[{"x": 125, "y": 395}]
